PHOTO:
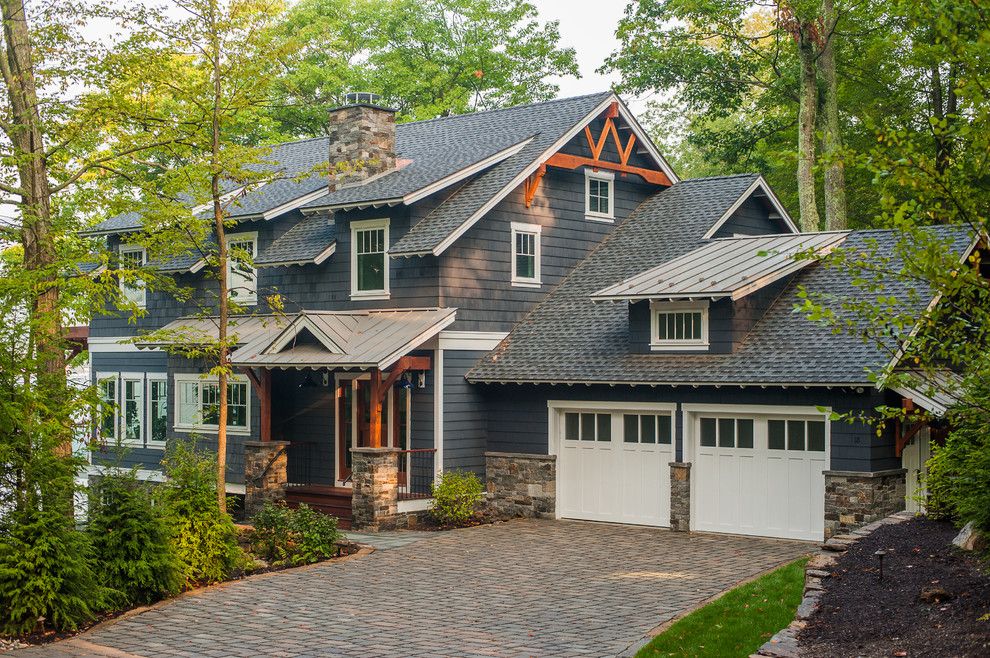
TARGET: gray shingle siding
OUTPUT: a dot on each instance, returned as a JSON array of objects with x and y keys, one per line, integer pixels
[
  {"x": 751, "y": 218},
  {"x": 517, "y": 416},
  {"x": 464, "y": 414}
]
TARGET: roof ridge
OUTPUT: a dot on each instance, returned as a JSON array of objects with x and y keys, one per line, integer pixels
[
  {"x": 505, "y": 109},
  {"x": 720, "y": 177}
]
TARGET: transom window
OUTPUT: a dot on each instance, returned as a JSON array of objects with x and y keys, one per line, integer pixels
[
  {"x": 242, "y": 276},
  {"x": 526, "y": 255},
  {"x": 133, "y": 289},
  {"x": 587, "y": 427},
  {"x": 726, "y": 432},
  {"x": 599, "y": 201},
  {"x": 679, "y": 325},
  {"x": 369, "y": 258},
  {"x": 804, "y": 435},
  {"x": 646, "y": 428},
  {"x": 198, "y": 404}
]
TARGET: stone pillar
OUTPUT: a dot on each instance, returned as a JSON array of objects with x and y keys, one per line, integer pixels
[
  {"x": 853, "y": 498},
  {"x": 680, "y": 496},
  {"x": 520, "y": 484},
  {"x": 375, "y": 477},
  {"x": 265, "y": 474}
]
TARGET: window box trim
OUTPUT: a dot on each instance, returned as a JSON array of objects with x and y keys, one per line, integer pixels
[
  {"x": 609, "y": 177},
  {"x": 179, "y": 379},
  {"x": 364, "y": 225},
  {"x": 536, "y": 230},
  {"x": 672, "y": 345},
  {"x": 250, "y": 298}
]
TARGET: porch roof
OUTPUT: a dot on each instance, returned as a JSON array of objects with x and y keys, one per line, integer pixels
[{"x": 324, "y": 339}]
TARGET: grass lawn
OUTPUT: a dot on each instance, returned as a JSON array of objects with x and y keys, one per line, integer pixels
[{"x": 739, "y": 622}]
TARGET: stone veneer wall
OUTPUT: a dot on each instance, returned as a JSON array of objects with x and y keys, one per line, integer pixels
[
  {"x": 853, "y": 499},
  {"x": 521, "y": 484},
  {"x": 265, "y": 474},
  {"x": 375, "y": 477},
  {"x": 362, "y": 142},
  {"x": 680, "y": 496}
]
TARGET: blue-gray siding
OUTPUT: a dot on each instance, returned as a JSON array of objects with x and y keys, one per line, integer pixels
[{"x": 464, "y": 414}]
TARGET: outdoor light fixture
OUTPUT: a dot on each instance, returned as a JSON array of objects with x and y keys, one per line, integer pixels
[{"x": 880, "y": 553}]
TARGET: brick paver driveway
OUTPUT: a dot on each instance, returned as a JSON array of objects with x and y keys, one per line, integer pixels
[{"x": 523, "y": 588}]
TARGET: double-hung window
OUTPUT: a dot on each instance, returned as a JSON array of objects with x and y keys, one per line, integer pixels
[
  {"x": 197, "y": 404},
  {"x": 242, "y": 276},
  {"x": 599, "y": 195},
  {"x": 107, "y": 387},
  {"x": 157, "y": 410},
  {"x": 133, "y": 408},
  {"x": 526, "y": 255},
  {"x": 369, "y": 259},
  {"x": 679, "y": 326},
  {"x": 132, "y": 259}
]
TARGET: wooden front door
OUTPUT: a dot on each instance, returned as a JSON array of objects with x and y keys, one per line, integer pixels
[{"x": 354, "y": 422}]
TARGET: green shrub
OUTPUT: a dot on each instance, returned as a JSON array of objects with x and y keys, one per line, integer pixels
[
  {"x": 47, "y": 573},
  {"x": 293, "y": 536},
  {"x": 455, "y": 496},
  {"x": 204, "y": 537},
  {"x": 959, "y": 477},
  {"x": 937, "y": 487},
  {"x": 130, "y": 539}
]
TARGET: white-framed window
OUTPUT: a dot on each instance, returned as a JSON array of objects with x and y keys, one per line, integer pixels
[
  {"x": 133, "y": 257},
  {"x": 599, "y": 195},
  {"x": 157, "y": 410},
  {"x": 107, "y": 388},
  {"x": 132, "y": 409},
  {"x": 796, "y": 435},
  {"x": 526, "y": 255},
  {"x": 197, "y": 408},
  {"x": 242, "y": 275},
  {"x": 679, "y": 326},
  {"x": 138, "y": 403},
  {"x": 369, "y": 259},
  {"x": 647, "y": 428}
]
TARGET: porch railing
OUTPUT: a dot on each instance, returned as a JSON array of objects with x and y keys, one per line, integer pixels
[
  {"x": 416, "y": 471},
  {"x": 309, "y": 462}
]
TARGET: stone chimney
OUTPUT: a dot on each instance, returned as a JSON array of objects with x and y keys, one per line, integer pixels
[{"x": 362, "y": 140}]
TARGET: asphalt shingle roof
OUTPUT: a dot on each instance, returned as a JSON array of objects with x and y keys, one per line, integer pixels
[
  {"x": 572, "y": 338},
  {"x": 300, "y": 244}
]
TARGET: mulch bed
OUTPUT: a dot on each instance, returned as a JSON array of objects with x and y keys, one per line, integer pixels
[{"x": 934, "y": 599}]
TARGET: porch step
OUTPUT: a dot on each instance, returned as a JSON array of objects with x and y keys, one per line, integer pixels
[{"x": 333, "y": 501}]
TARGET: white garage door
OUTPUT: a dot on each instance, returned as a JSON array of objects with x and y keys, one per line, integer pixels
[
  {"x": 613, "y": 465},
  {"x": 759, "y": 475}
]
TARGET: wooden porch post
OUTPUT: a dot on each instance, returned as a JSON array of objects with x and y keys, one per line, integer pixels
[
  {"x": 263, "y": 387},
  {"x": 377, "y": 396}
]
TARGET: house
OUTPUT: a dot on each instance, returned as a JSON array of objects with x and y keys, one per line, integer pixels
[{"x": 529, "y": 293}]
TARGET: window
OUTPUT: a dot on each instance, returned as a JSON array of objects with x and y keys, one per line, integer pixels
[
  {"x": 132, "y": 258},
  {"x": 646, "y": 428},
  {"x": 369, "y": 259},
  {"x": 138, "y": 403},
  {"x": 108, "y": 407},
  {"x": 599, "y": 203},
  {"x": 526, "y": 255},
  {"x": 803, "y": 435},
  {"x": 158, "y": 410},
  {"x": 587, "y": 427},
  {"x": 679, "y": 325},
  {"x": 242, "y": 276},
  {"x": 133, "y": 410},
  {"x": 726, "y": 432},
  {"x": 197, "y": 406}
]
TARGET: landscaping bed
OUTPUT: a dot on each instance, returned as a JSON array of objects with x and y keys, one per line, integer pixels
[{"x": 934, "y": 599}]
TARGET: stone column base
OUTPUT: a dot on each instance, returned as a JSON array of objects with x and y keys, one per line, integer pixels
[
  {"x": 265, "y": 474},
  {"x": 375, "y": 477},
  {"x": 854, "y": 499},
  {"x": 680, "y": 496},
  {"x": 521, "y": 484}
]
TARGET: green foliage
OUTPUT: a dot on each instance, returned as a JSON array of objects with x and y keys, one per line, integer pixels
[
  {"x": 938, "y": 485},
  {"x": 456, "y": 494},
  {"x": 293, "y": 536},
  {"x": 130, "y": 537},
  {"x": 204, "y": 537}
]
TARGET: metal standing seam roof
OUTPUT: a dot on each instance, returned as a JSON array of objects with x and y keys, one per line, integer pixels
[{"x": 726, "y": 267}]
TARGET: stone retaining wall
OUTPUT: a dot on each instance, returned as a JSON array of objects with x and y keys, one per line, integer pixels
[
  {"x": 853, "y": 499},
  {"x": 520, "y": 484}
]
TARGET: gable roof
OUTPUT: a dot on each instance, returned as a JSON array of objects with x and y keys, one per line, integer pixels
[
  {"x": 726, "y": 267},
  {"x": 312, "y": 240},
  {"x": 570, "y": 338}
]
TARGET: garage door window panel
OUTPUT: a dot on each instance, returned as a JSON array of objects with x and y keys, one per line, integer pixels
[{"x": 646, "y": 428}]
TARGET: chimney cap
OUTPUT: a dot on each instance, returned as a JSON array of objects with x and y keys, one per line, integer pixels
[{"x": 363, "y": 99}]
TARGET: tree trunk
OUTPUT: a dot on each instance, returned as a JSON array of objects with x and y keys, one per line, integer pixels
[
  {"x": 40, "y": 258},
  {"x": 835, "y": 174},
  {"x": 806, "y": 133}
]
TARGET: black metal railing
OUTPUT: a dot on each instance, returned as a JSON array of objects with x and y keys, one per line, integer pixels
[
  {"x": 416, "y": 471},
  {"x": 309, "y": 462}
]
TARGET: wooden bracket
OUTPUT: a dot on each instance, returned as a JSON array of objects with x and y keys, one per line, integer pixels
[
  {"x": 903, "y": 435},
  {"x": 380, "y": 387},
  {"x": 533, "y": 183},
  {"x": 567, "y": 161}
]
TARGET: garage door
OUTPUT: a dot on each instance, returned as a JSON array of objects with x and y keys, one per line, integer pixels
[
  {"x": 613, "y": 465},
  {"x": 759, "y": 475}
]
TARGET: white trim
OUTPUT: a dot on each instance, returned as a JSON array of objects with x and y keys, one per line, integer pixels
[
  {"x": 604, "y": 405},
  {"x": 147, "y": 475},
  {"x": 101, "y": 376},
  {"x": 482, "y": 341},
  {"x": 675, "y": 384},
  {"x": 515, "y": 228},
  {"x": 415, "y": 505},
  {"x": 325, "y": 254},
  {"x": 140, "y": 285},
  {"x": 603, "y": 176},
  {"x": 142, "y": 380},
  {"x": 756, "y": 409},
  {"x": 179, "y": 378},
  {"x": 111, "y": 345},
  {"x": 673, "y": 344},
  {"x": 250, "y": 296},
  {"x": 760, "y": 182},
  {"x": 470, "y": 170},
  {"x": 292, "y": 331},
  {"x": 438, "y": 407},
  {"x": 369, "y": 225},
  {"x": 151, "y": 377},
  {"x": 295, "y": 203},
  {"x": 415, "y": 342},
  {"x": 203, "y": 207},
  {"x": 197, "y": 266}
]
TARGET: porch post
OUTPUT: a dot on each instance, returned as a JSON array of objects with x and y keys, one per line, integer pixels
[
  {"x": 262, "y": 385},
  {"x": 375, "y": 477},
  {"x": 375, "y": 423}
]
